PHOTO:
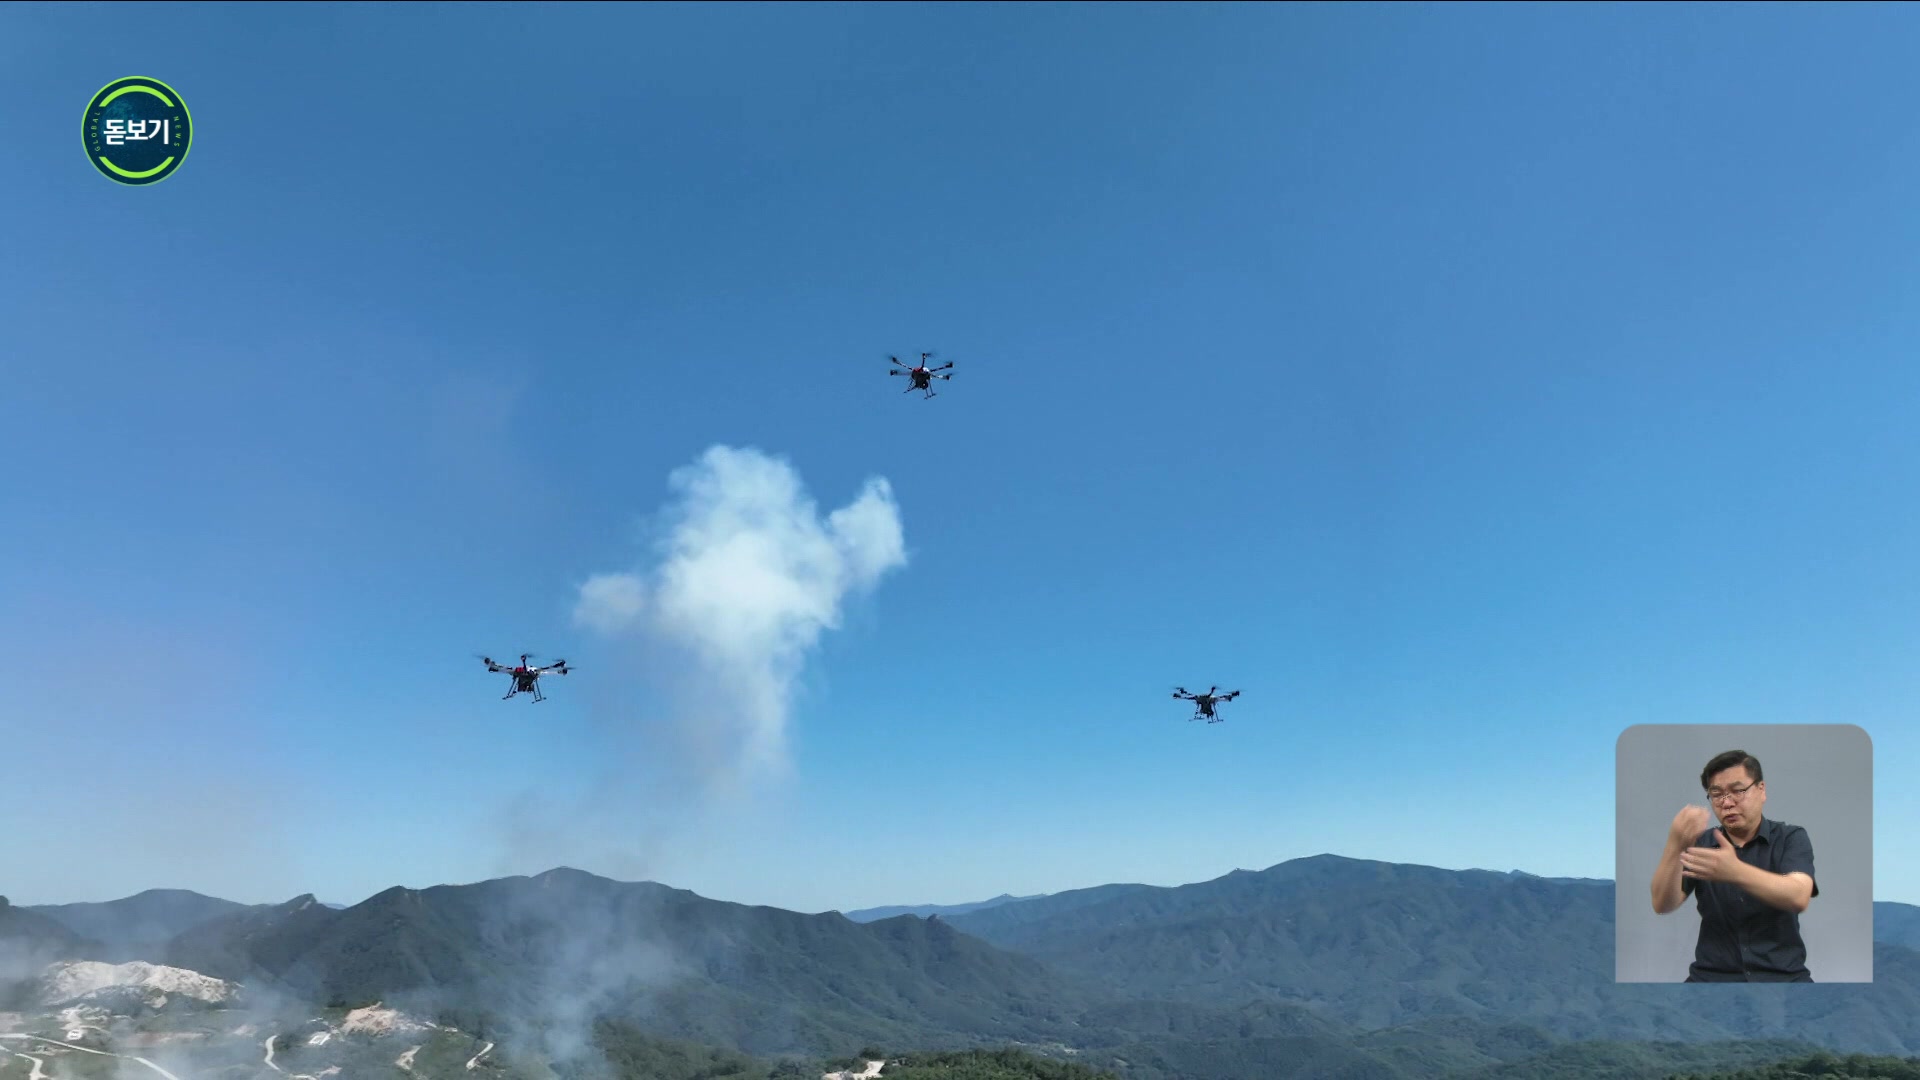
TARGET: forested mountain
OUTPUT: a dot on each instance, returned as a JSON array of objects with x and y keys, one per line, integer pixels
[
  {"x": 1323, "y": 966},
  {"x": 137, "y": 923},
  {"x": 29, "y": 942},
  {"x": 760, "y": 979},
  {"x": 1896, "y": 924},
  {"x": 1377, "y": 945}
]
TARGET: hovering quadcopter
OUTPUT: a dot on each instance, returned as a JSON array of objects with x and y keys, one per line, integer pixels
[
  {"x": 1203, "y": 704},
  {"x": 526, "y": 679},
  {"x": 920, "y": 376}
]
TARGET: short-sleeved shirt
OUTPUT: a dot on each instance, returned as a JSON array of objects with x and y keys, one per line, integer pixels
[{"x": 1742, "y": 937}]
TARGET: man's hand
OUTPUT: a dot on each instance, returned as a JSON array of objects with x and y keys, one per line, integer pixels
[
  {"x": 1687, "y": 825},
  {"x": 1668, "y": 894},
  {"x": 1713, "y": 863}
]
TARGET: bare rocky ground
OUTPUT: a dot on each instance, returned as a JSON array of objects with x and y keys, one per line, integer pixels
[{"x": 96, "y": 1021}]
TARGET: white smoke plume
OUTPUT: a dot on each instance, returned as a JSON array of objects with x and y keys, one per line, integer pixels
[{"x": 747, "y": 576}]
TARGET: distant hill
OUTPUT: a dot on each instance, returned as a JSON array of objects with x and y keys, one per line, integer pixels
[
  {"x": 1003, "y": 920},
  {"x": 29, "y": 943},
  {"x": 921, "y": 911},
  {"x": 1561, "y": 880},
  {"x": 251, "y": 945},
  {"x": 26, "y": 935},
  {"x": 760, "y": 979},
  {"x": 1380, "y": 945},
  {"x": 135, "y": 924},
  {"x": 26, "y": 926},
  {"x": 1896, "y": 924}
]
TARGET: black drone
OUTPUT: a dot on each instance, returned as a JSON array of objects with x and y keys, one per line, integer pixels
[
  {"x": 1203, "y": 704},
  {"x": 920, "y": 376},
  {"x": 526, "y": 679}
]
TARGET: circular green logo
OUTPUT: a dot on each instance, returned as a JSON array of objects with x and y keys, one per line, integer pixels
[{"x": 137, "y": 131}]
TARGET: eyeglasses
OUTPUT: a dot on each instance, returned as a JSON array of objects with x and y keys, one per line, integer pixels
[{"x": 1730, "y": 794}]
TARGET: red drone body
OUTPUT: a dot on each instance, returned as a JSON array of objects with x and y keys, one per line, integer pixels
[{"x": 526, "y": 678}]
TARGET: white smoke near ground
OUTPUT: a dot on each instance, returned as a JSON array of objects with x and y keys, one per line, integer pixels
[
  {"x": 747, "y": 576},
  {"x": 691, "y": 694},
  {"x": 600, "y": 953}
]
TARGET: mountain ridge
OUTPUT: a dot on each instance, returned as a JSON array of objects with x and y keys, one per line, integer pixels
[
  {"x": 762, "y": 979},
  {"x": 1380, "y": 945},
  {"x": 924, "y": 910},
  {"x": 1346, "y": 962},
  {"x": 1321, "y": 858}
]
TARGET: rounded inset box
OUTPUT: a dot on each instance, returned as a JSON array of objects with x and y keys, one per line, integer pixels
[{"x": 1743, "y": 853}]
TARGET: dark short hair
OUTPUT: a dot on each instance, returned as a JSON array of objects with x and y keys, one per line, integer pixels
[{"x": 1722, "y": 762}]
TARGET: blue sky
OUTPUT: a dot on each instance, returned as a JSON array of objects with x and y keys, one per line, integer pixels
[{"x": 1465, "y": 384}]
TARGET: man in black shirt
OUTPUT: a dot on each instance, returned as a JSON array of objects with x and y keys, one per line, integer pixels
[{"x": 1751, "y": 878}]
